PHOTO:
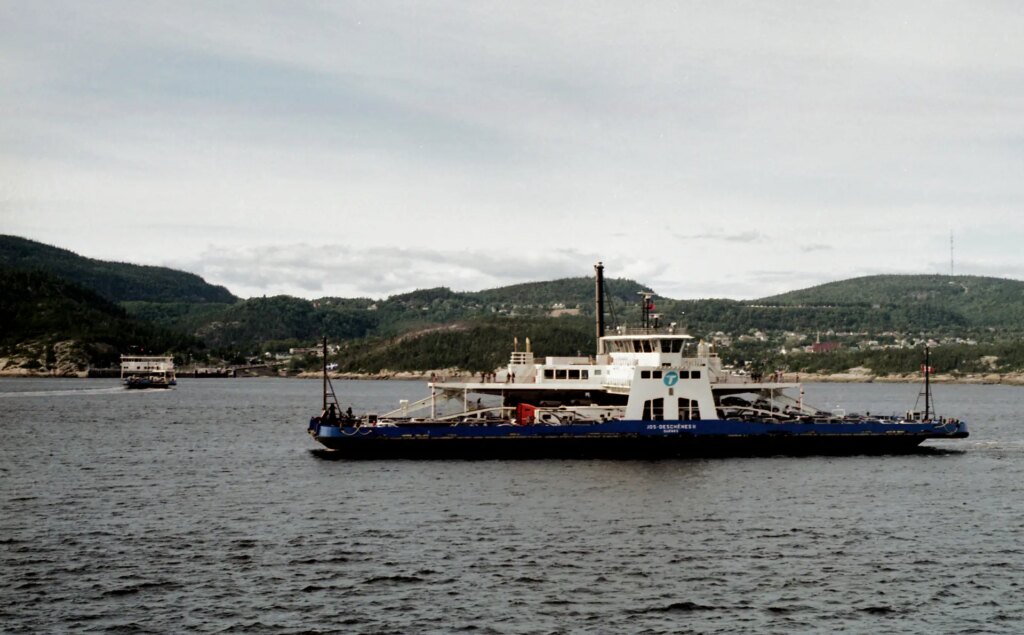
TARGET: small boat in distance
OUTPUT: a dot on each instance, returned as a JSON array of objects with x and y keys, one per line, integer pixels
[
  {"x": 648, "y": 393},
  {"x": 147, "y": 372}
]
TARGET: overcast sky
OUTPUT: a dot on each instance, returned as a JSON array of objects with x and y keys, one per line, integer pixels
[{"x": 708, "y": 149}]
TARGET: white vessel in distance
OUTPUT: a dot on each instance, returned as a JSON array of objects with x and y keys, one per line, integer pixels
[{"x": 141, "y": 371}]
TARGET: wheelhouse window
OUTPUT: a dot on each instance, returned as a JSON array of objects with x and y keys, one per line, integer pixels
[
  {"x": 574, "y": 374},
  {"x": 687, "y": 409},
  {"x": 561, "y": 373},
  {"x": 654, "y": 410},
  {"x": 549, "y": 373}
]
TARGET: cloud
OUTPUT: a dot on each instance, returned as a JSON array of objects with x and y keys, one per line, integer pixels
[
  {"x": 1014, "y": 271},
  {"x": 340, "y": 270},
  {"x": 746, "y": 236},
  {"x": 812, "y": 248},
  {"x": 690, "y": 146}
]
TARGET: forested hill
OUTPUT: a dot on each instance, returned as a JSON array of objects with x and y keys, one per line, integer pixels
[
  {"x": 249, "y": 323},
  {"x": 957, "y": 301},
  {"x": 932, "y": 305},
  {"x": 970, "y": 291},
  {"x": 47, "y": 322},
  {"x": 567, "y": 291},
  {"x": 115, "y": 281},
  {"x": 48, "y": 302}
]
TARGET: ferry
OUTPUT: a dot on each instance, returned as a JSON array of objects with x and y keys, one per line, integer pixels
[
  {"x": 138, "y": 372},
  {"x": 648, "y": 392}
]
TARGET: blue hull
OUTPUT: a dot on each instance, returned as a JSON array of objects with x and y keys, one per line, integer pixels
[{"x": 629, "y": 439}]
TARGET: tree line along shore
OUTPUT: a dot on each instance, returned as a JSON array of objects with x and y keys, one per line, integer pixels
[
  {"x": 857, "y": 375},
  {"x": 61, "y": 314}
]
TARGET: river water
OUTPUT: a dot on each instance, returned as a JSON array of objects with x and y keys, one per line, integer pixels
[{"x": 203, "y": 509}]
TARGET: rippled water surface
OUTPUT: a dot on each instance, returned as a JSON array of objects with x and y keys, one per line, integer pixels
[{"x": 203, "y": 509}]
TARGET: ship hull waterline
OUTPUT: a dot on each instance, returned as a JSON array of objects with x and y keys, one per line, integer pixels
[
  {"x": 148, "y": 386},
  {"x": 535, "y": 442}
]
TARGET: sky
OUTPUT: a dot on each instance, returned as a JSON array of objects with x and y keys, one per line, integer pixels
[{"x": 706, "y": 149}]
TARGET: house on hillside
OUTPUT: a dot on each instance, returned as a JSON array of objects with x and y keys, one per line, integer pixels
[{"x": 825, "y": 347}]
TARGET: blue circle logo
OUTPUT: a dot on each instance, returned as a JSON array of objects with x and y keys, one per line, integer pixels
[{"x": 671, "y": 377}]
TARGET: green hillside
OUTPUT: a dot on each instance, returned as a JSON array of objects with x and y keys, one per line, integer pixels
[
  {"x": 186, "y": 317},
  {"x": 568, "y": 291},
  {"x": 709, "y": 316},
  {"x": 115, "y": 281},
  {"x": 480, "y": 345},
  {"x": 51, "y": 295},
  {"x": 965, "y": 306},
  {"x": 46, "y": 322},
  {"x": 980, "y": 300},
  {"x": 250, "y": 324}
]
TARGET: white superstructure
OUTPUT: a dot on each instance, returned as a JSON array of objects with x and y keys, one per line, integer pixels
[
  {"x": 643, "y": 374},
  {"x": 154, "y": 370}
]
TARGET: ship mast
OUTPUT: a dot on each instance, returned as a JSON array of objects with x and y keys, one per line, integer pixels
[
  {"x": 599, "y": 301},
  {"x": 646, "y": 308},
  {"x": 927, "y": 383},
  {"x": 330, "y": 399}
]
